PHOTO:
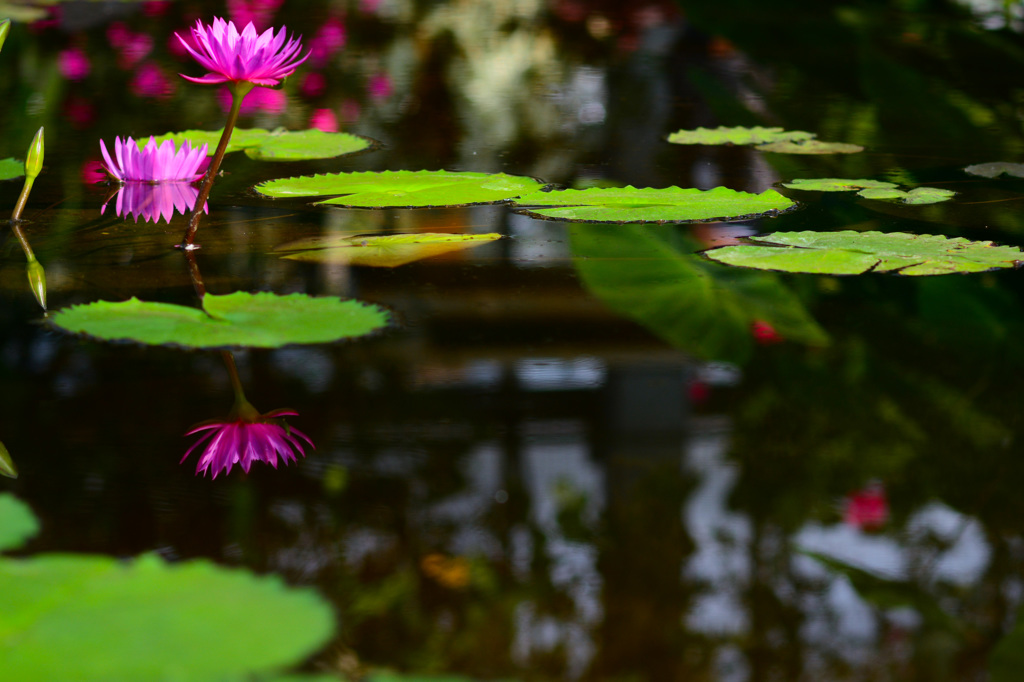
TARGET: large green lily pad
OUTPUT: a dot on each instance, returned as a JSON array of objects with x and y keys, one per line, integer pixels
[
  {"x": 11, "y": 169},
  {"x": 810, "y": 147},
  {"x": 382, "y": 251},
  {"x": 994, "y": 169},
  {"x": 652, "y": 275},
  {"x": 273, "y": 145},
  {"x": 836, "y": 184},
  {"x": 93, "y": 618},
  {"x": 261, "y": 320},
  {"x": 853, "y": 253},
  {"x": 739, "y": 135},
  {"x": 17, "y": 523},
  {"x": 648, "y": 205},
  {"x": 403, "y": 189}
]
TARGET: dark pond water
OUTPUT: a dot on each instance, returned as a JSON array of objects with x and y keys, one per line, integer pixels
[{"x": 559, "y": 463}]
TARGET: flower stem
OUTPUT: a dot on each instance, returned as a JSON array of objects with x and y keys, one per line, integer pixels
[
  {"x": 238, "y": 92},
  {"x": 243, "y": 408}
]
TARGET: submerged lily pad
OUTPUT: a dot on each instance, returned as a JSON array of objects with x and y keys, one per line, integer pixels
[
  {"x": 382, "y": 251},
  {"x": 853, "y": 253},
  {"x": 17, "y": 522},
  {"x": 11, "y": 168},
  {"x": 649, "y": 205},
  {"x": 810, "y": 147},
  {"x": 262, "y": 320},
  {"x": 836, "y": 184},
  {"x": 274, "y": 145},
  {"x": 994, "y": 169},
  {"x": 738, "y": 135},
  {"x": 918, "y": 195},
  {"x": 96, "y": 618},
  {"x": 403, "y": 189}
]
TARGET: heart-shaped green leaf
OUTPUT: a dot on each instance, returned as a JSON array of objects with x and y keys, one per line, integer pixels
[
  {"x": 261, "y": 320},
  {"x": 91, "y": 618},
  {"x": 738, "y": 135},
  {"x": 403, "y": 189},
  {"x": 853, "y": 253},
  {"x": 648, "y": 205},
  {"x": 382, "y": 251},
  {"x": 273, "y": 145}
]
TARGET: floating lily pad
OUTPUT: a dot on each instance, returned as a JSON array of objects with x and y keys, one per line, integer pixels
[
  {"x": 810, "y": 147},
  {"x": 94, "y": 618},
  {"x": 17, "y": 522},
  {"x": 853, "y": 253},
  {"x": 382, "y": 251},
  {"x": 648, "y": 205},
  {"x": 918, "y": 195},
  {"x": 274, "y": 145},
  {"x": 11, "y": 168},
  {"x": 994, "y": 169},
  {"x": 738, "y": 135},
  {"x": 403, "y": 189},
  {"x": 836, "y": 184},
  {"x": 262, "y": 320}
]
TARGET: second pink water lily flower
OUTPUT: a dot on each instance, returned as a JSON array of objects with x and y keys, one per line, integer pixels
[
  {"x": 246, "y": 56},
  {"x": 154, "y": 163}
]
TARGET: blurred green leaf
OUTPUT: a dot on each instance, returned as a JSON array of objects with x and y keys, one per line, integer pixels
[
  {"x": 17, "y": 523},
  {"x": 810, "y": 147},
  {"x": 737, "y": 135},
  {"x": 402, "y": 189},
  {"x": 11, "y": 168},
  {"x": 261, "y": 320},
  {"x": 994, "y": 169},
  {"x": 97, "y": 618},
  {"x": 273, "y": 145},
  {"x": 649, "y": 205},
  {"x": 853, "y": 253},
  {"x": 382, "y": 251},
  {"x": 835, "y": 184}
]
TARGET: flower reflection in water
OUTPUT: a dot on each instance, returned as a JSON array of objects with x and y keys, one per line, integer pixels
[
  {"x": 246, "y": 436},
  {"x": 152, "y": 202}
]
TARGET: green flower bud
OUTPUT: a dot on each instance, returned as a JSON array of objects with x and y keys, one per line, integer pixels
[
  {"x": 5, "y": 28},
  {"x": 37, "y": 281},
  {"x": 7, "y": 467},
  {"x": 34, "y": 160}
]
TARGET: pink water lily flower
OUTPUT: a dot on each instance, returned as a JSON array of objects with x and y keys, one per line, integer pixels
[
  {"x": 246, "y": 56},
  {"x": 154, "y": 163},
  {"x": 246, "y": 437}
]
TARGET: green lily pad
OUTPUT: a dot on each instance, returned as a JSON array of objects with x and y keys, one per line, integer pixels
[
  {"x": 382, "y": 251},
  {"x": 854, "y": 253},
  {"x": 11, "y": 168},
  {"x": 810, "y": 147},
  {"x": 836, "y": 184},
  {"x": 403, "y": 189},
  {"x": 261, "y": 320},
  {"x": 994, "y": 169},
  {"x": 918, "y": 195},
  {"x": 738, "y": 135},
  {"x": 17, "y": 522},
  {"x": 273, "y": 145},
  {"x": 93, "y": 618},
  {"x": 648, "y": 205}
]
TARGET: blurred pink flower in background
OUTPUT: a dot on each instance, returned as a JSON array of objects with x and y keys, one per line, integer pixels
[
  {"x": 247, "y": 436},
  {"x": 79, "y": 112},
  {"x": 379, "y": 86},
  {"x": 154, "y": 163},
  {"x": 237, "y": 56},
  {"x": 259, "y": 100},
  {"x": 764, "y": 333},
  {"x": 150, "y": 81},
  {"x": 73, "y": 64},
  {"x": 155, "y": 8},
  {"x": 868, "y": 508},
  {"x": 92, "y": 172},
  {"x": 350, "y": 110},
  {"x": 325, "y": 120},
  {"x": 259, "y": 12},
  {"x": 314, "y": 84},
  {"x": 153, "y": 202},
  {"x": 131, "y": 47},
  {"x": 327, "y": 41}
]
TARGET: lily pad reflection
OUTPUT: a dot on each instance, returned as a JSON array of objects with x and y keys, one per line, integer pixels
[{"x": 382, "y": 251}]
